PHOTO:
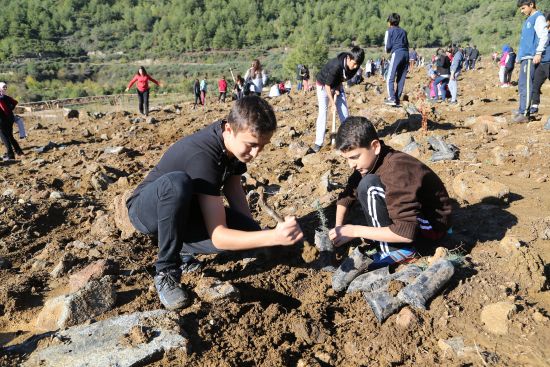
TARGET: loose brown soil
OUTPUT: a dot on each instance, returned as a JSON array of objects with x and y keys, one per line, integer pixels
[{"x": 288, "y": 314}]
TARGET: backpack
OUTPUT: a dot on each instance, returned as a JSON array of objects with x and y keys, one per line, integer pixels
[{"x": 511, "y": 61}]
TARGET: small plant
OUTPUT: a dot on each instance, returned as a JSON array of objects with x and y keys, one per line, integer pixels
[{"x": 321, "y": 215}]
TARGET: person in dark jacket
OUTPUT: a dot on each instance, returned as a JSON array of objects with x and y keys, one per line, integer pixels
[
  {"x": 197, "y": 93},
  {"x": 142, "y": 79},
  {"x": 330, "y": 89},
  {"x": 397, "y": 45},
  {"x": 405, "y": 203},
  {"x": 7, "y": 118},
  {"x": 474, "y": 55}
]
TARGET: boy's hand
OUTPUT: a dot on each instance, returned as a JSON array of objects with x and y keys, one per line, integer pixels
[
  {"x": 126, "y": 90},
  {"x": 288, "y": 232},
  {"x": 341, "y": 235}
]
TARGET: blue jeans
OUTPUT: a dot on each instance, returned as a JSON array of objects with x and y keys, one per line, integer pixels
[
  {"x": 453, "y": 87},
  {"x": 525, "y": 85},
  {"x": 441, "y": 92},
  {"x": 168, "y": 209}
]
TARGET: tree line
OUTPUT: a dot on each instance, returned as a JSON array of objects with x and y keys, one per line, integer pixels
[{"x": 62, "y": 28}]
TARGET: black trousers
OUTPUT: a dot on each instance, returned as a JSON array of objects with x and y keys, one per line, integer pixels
[
  {"x": 168, "y": 209},
  {"x": 143, "y": 98},
  {"x": 542, "y": 72},
  {"x": 372, "y": 196},
  {"x": 6, "y": 135},
  {"x": 221, "y": 97}
]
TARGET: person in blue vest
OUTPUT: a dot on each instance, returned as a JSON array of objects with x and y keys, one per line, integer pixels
[
  {"x": 397, "y": 45},
  {"x": 532, "y": 44},
  {"x": 542, "y": 72}
]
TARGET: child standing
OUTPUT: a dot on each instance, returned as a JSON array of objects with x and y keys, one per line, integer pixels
[
  {"x": 456, "y": 68},
  {"x": 532, "y": 44},
  {"x": 197, "y": 93},
  {"x": 7, "y": 119},
  {"x": 502, "y": 66},
  {"x": 180, "y": 199},
  {"x": 542, "y": 72},
  {"x": 405, "y": 203},
  {"x": 222, "y": 88},
  {"x": 204, "y": 90},
  {"x": 330, "y": 90},
  {"x": 397, "y": 45}
]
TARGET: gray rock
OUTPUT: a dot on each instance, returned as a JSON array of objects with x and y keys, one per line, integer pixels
[
  {"x": 547, "y": 125},
  {"x": 9, "y": 193},
  {"x": 56, "y": 195},
  {"x": 215, "y": 291},
  {"x": 401, "y": 140},
  {"x": 114, "y": 150},
  {"x": 124, "y": 341},
  {"x": 5, "y": 263},
  {"x": 63, "y": 266},
  {"x": 100, "y": 181},
  {"x": 86, "y": 133},
  {"x": 297, "y": 149},
  {"x": 60, "y": 312},
  {"x": 151, "y": 120}
]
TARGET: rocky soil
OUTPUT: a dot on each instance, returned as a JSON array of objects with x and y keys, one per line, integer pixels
[{"x": 69, "y": 262}]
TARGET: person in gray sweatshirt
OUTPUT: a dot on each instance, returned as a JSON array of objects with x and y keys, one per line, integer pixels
[{"x": 456, "y": 68}]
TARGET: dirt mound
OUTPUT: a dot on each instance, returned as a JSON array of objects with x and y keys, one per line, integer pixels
[{"x": 60, "y": 209}]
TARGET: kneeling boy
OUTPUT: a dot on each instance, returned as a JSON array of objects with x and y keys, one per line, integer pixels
[
  {"x": 180, "y": 199},
  {"x": 404, "y": 201}
]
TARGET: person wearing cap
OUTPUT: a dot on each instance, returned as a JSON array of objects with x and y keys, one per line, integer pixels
[{"x": 7, "y": 118}]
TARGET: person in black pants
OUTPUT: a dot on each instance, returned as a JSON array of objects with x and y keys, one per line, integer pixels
[
  {"x": 180, "y": 199},
  {"x": 197, "y": 93},
  {"x": 7, "y": 118},
  {"x": 542, "y": 72},
  {"x": 142, "y": 79}
]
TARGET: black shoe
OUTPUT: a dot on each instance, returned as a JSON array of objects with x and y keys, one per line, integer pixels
[
  {"x": 313, "y": 149},
  {"x": 7, "y": 158},
  {"x": 171, "y": 295},
  {"x": 189, "y": 263}
]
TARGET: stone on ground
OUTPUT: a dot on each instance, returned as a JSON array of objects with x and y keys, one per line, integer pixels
[
  {"x": 95, "y": 270},
  {"x": 474, "y": 188},
  {"x": 130, "y": 340},
  {"x": 406, "y": 318},
  {"x": 122, "y": 221},
  {"x": 401, "y": 140},
  {"x": 496, "y": 316},
  {"x": 215, "y": 291},
  {"x": 60, "y": 312}
]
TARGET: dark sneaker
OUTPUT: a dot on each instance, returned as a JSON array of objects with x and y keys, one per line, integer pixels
[
  {"x": 533, "y": 110},
  {"x": 519, "y": 119},
  {"x": 313, "y": 149},
  {"x": 6, "y": 158},
  {"x": 171, "y": 295},
  {"x": 189, "y": 263},
  {"x": 389, "y": 102}
]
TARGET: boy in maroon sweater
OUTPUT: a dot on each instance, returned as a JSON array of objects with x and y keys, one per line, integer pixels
[{"x": 404, "y": 201}]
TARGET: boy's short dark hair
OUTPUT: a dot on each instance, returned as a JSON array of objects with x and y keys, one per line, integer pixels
[
  {"x": 252, "y": 113},
  {"x": 526, "y": 2},
  {"x": 355, "y": 132},
  {"x": 357, "y": 54},
  {"x": 394, "y": 19}
]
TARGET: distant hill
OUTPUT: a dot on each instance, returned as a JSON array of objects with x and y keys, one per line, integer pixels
[{"x": 32, "y": 28}]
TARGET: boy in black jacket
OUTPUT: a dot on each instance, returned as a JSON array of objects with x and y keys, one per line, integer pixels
[
  {"x": 180, "y": 199},
  {"x": 330, "y": 90}
]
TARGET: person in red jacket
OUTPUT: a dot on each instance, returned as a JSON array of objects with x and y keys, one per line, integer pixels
[
  {"x": 142, "y": 79},
  {"x": 222, "y": 88},
  {"x": 7, "y": 118}
]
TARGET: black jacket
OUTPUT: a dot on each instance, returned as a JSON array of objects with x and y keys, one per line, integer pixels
[{"x": 335, "y": 71}]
